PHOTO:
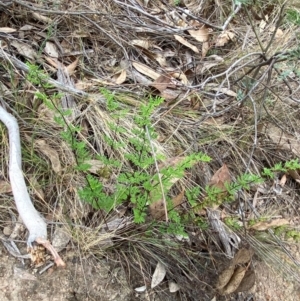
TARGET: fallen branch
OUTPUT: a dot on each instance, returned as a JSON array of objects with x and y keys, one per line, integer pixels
[{"x": 31, "y": 218}]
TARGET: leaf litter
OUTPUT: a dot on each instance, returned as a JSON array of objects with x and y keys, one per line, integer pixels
[{"x": 169, "y": 52}]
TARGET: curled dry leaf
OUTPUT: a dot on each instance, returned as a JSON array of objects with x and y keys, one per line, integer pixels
[
  {"x": 235, "y": 280},
  {"x": 225, "y": 277},
  {"x": 121, "y": 77},
  {"x": 186, "y": 43},
  {"x": 261, "y": 226},
  {"x": 181, "y": 76},
  {"x": 224, "y": 38},
  {"x": 205, "y": 48},
  {"x": 140, "y": 289},
  {"x": 158, "y": 275},
  {"x": 247, "y": 282},
  {"x": 283, "y": 180},
  {"x": 201, "y": 34}
]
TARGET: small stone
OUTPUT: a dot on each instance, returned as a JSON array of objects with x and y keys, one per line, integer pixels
[{"x": 7, "y": 230}]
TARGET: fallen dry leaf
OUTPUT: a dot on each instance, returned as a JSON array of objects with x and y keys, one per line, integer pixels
[
  {"x": 24, "y": 49},
  {"x": 225, "y": 91},
  {"x": 7, "y": 29},
  {"x": 158, "y": 275},
  {"x": 49, "y": 152},
  {"x": 121, "y": 77},
  {"x": 235, "y": 280},
  {"x": 201, "y": 34},
  {"x": 243, "y": 256},
  {"x": 221, "y": 177},
  {"x": 178, "y": 199},
  {"x": 41, "y": 18},
  {"x": 232, "y": 278},
  {"x": 186, "y": 43},
  {"x": 4, "y": 187},
  {"x": 247, "y": 282},
  {"x": 283, "y": 180},
  {"x": 283, "y": 140},
  {"x": 224, "y": 38},
  {"x": 261, "y": 226},
  {"x": 156, "y": 207},
  {"x": 173, "y": 287},
  {"x": 70, "y": 69},
  {"x": 181, "y": 76},
  {"x": 162, "y": 82},
  {"x": 51, "y": 49},
  {"x": 225, "y": 277},
  {"x": 146, "y": 70},
  {"x": 27, "y": 27},
  {"x": 140, "y": 289},
  {"x": 141, "y": 43},
  {"x": 205, "y": 48},
  {"x": 295, "y": 175}
]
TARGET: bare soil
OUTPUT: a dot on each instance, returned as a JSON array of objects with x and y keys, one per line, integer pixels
[{"x": 94, "y": 279}]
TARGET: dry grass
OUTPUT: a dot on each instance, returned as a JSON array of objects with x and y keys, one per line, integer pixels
[{"x": 199, "y": 114}]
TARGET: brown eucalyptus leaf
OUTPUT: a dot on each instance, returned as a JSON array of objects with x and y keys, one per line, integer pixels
[
  {"x": 162, "y": 82},
  {"x": 41, "y": 18},
  {"x": 264, "y": 225},
  {"x": 70, "y": 69},
  {"x": 178, "y": 199},
  {"x": 243, "y": 256},
  {"x": 235, "y": 280},
  {"x": 142, "y": 68},
  {"x": 186, "y": 43},
  {"x": 221, "y": 177},
  {"x": 225, "y": 277},
  {"x": 247, "y": 282}
]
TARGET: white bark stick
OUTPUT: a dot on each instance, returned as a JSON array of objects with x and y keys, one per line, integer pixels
[{"x": 31, "y": 218}]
